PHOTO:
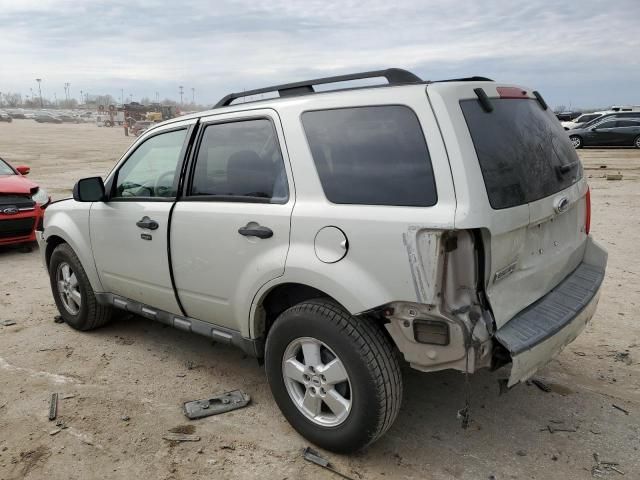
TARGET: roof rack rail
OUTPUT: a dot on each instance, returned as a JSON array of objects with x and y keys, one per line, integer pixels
[{"x": 395, "y": 76}]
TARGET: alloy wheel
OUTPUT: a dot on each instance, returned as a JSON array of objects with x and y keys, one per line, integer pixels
[
  {"x": 68, "y": 288},
  {"x": 317, "y": 382}
]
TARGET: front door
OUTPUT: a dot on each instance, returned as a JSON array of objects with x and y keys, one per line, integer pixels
[
  {"x": 129, "y": 230},
  {"x": 230, "y": 232}
]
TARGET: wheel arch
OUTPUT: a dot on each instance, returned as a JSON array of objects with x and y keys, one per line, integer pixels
[{"x": 82, "y": 248}]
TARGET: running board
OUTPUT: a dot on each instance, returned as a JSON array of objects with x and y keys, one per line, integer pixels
[{"x": 251, "y": 347}]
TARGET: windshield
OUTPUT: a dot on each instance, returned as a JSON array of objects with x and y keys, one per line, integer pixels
[
  {"x": 5, "y": 169},
  {"x": 524, "y": 153}
]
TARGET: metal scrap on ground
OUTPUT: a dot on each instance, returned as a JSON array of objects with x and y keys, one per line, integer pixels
[
  {"x": 53, "y": 406},
  {"x": 215, "y": 405},
  {"x": 313, "y": 457},
  {"x": 181, "y": 437}
]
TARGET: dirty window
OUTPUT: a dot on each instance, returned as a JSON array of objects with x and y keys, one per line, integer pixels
[
  {"x": 524, "y": 153},
  {"x": 371, "y": 156}
]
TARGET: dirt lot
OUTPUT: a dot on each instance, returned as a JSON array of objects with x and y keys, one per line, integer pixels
[{"x": 126, "y": 382}]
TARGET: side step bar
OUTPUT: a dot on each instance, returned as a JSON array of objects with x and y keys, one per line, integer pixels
[{"x": 253, "y": 348}]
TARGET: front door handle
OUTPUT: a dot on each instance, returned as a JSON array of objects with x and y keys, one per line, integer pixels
[
  {"x": 146, "y": 222},
  {"x": 253, "y": 230}
]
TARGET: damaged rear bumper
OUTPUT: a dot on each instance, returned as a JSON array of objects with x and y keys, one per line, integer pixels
[{"x": 540, "y": 331}]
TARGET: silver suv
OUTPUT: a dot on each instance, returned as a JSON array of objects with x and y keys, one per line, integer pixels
[{"x": 335, "y": 235}]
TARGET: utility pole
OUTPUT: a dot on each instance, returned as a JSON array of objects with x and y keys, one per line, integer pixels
[
  {"x": 157, "y": 97},
  {"x": 193, "y": 95},
  {"x": 39, "y": 80},
  {"x": 122, "y": 96},
  {"x": 181, "y": 92},
  {"x": 81, "y": 96},
  {"x": 55, "y": 99}
]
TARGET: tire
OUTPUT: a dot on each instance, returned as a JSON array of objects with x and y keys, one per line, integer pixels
[
  {"x": 373, "y": 385},
  {"x": 88, "y": 314},
  {"x": 636, "y": 142},
  {"x": 576, "y": 141},
  {"x": 108, "y": 123}
]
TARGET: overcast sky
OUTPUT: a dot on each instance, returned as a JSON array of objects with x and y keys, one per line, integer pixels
[{"x": 582, "y": 53}]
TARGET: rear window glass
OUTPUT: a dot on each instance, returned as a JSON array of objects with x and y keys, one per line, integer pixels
[
  {"x": 371, "y": 156},
  {"x": 524, "y": 152}
]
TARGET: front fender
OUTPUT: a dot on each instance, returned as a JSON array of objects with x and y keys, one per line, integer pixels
[{"x": 69, "y": 220}]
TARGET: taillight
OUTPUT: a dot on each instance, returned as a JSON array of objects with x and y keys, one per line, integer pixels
[{"x": 587, "y": 220}]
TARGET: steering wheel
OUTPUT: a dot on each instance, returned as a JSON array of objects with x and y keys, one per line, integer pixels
[{"x": 158, "y": 187}]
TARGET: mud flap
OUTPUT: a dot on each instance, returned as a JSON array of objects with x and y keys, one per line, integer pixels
[{"x": 540, "y": 331}]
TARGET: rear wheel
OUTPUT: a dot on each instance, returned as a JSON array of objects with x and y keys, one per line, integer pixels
[
  {"x": 636, "y": 142},
  {"x": 576, "y": 141},
  {"x": 72, "y": 291},
  {"x": 335, "y": 377}
]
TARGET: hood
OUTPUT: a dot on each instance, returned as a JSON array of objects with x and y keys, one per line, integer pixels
[{"x": 17, "y": 185}]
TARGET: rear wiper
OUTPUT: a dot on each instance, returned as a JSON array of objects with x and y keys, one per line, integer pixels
[{"x": 567, "y": 167}]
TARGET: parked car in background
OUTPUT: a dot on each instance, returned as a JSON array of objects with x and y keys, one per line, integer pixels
[
  {"x": 446, "y": 221},
  {"x": 613, "y": 132},
  {"x": 5, "y": 117},
  {"x": 22, "y": 204},
  {"x": 626, "y": 108},
  {"x": 68, "y": 118},
  {"x": 16, "y": 113},
  {"x": 610, "y": 116},
  {"x": 46, "y": 118},
  {"x": 582, "y": 119},
  {"x": 567, "y": 116}
]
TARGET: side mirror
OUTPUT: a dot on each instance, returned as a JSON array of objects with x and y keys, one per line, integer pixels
[
  {"x": 89, "y": 189},
  {"x": 23, "y": 169},
  {"x": 594, "y": 129}
]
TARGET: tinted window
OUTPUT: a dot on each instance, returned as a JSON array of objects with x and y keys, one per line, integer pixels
[
  {"x": 606, "y": 124},
  {"x": 371, "y": 156},
  {"x": 241, "y": 161},
  {"x": 627, "y": 123},
  {"x": 152, "y": 170},
  {"x": 524, "y": 153}
]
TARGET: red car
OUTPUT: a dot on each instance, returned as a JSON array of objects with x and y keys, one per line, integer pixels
[{"x": 22, "y": 204}]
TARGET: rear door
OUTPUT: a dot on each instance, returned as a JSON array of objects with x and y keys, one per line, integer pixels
[
  {"x": 519, "y": 181},
  {"x": 230, "y": 232}
]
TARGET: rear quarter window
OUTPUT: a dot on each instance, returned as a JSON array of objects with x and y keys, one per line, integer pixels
[
  {"x": 371, "y": 156},
  {"x": 523, "y": 151}
]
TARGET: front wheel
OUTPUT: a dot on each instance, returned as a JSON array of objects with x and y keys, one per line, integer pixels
[
  {"x": 72, "y": 291},
  {"x": 636, "y": 142},
  {"x": 335, "y": 377},
  {"x": 576, "y": 141}
]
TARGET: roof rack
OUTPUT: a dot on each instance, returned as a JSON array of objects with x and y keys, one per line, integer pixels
[{"x": 395, "y": 76}]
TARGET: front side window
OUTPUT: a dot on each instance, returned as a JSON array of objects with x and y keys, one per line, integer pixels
[
  {"x": 371, "y": 156},
  {"x": 608, "y": 124},
  {"x": 153, "y": 169},
  {"x": 240, "y": 161}
]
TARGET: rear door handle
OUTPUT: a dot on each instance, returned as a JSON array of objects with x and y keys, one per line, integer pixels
[
  {"x": 146, "y": 222},
  {"x": 256, "y": 231}
]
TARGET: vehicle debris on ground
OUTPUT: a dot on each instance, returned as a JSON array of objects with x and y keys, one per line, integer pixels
[{"x": 216, "y": 405}]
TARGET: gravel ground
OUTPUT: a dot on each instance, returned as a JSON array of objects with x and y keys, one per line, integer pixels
[{"x": 121, "y": 387}]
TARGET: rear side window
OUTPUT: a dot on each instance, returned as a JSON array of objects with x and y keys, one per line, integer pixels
[
  {"x": 371, "y": 156},
  {"x": 524, "y": 152},
  {"x": 240, "y": 161}
]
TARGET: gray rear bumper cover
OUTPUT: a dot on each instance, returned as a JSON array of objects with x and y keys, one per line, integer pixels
[{"x": 542, "y": 329}]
